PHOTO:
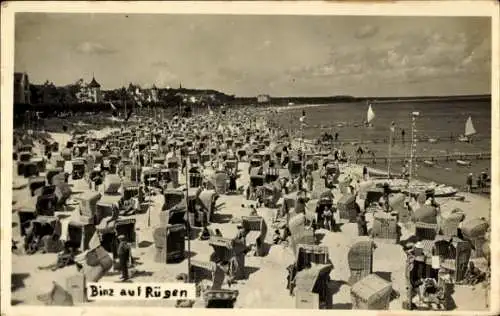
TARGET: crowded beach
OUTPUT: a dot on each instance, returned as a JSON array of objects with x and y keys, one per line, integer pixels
[{"x": 252, "y": 216}]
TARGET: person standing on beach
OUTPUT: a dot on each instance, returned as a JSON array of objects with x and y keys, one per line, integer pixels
[
  {"x": 484, "y": 176},
  {"x": 365, "y": 173},
  {"x": 310, "y": 181},
  {"x": 362, "y": 224},
  {"x": 285, "y": 158},
  {"x": 468, "y": 182},
  {"x": 124, "y": 255},
  {"x": 403, "y": 135}
]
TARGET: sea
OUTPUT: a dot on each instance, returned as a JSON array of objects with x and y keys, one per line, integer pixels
[{"x": 442, "y": 121}]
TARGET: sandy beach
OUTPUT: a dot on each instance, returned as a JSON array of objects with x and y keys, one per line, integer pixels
[{"x": 389, "y": 259}]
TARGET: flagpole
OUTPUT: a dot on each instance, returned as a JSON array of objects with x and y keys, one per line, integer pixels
[
  {"x": 413, "y": 148},
  {"x": 391, "y": 130},
  {"x": 188, "y": 224}
]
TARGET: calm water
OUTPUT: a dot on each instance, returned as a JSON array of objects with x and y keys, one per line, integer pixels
[{"x": 436, "y": 120}]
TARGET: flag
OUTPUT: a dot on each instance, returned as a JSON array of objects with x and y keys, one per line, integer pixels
[{"x": 393, "y": 127}]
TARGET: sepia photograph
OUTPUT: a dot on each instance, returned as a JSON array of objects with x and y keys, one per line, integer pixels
[{"x": 250, "y": 161}]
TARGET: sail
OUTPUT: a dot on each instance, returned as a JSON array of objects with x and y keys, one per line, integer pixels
[
  {"x": 469, "y": 127},
  {"x": 370, "y": 115}
]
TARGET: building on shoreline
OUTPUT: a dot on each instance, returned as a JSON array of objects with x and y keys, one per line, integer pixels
[
  {"x": 263, "y": 98},
  {"x": 22, "y": 92},
  {"x": 89, "y": 93},
  {"x": 95, "y": 91}
]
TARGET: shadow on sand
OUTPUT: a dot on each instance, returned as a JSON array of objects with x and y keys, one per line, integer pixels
[
  {"x": 386, "y": 275},
  {"x": 335, "y": 285},
  {"x": 17, "y": 281},
  {"x": 249, "y": 271},
  {"x": 221, "y": 218},
  {"x": 341, "y": 306},
  {"x": 144, "y": 244}
]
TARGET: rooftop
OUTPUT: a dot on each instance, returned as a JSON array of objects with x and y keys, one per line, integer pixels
[{"x": 94, "y": 84}]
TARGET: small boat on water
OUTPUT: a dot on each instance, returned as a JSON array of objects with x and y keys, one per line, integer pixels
[
  {"x": 464, "y": 163},
  {"x": 433, "y": 140},
  {"x": 469, "y": 131},
  {"x": 429, "y": 163},
  {"x": 370, "y": 116},
  {"x": 375, "y": 173}
]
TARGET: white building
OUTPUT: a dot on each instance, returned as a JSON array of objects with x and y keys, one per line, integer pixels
[
  {"x": 89, "y": 93},
  {"x": 263, "y": 98},
  {"x": 95, "y": 91}
]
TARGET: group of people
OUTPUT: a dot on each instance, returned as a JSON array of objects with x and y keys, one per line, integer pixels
[{"x": 481, "y": 181}]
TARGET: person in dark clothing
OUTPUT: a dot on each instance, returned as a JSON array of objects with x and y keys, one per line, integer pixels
[
  {"x": 232, "y": 182},
  {"x": 387, "y": 191},
  {"x": 362, "y": 224},
  {"x": 365, "y": 173},
  {"x": 124, "y": 255},
  {"x": 286, "y": 159},
  {"x": 242, "y": 234},
  {"x": 484, "y": 175},
  {"x": 248, "y": 192},
  {"x": 97, "y": 179},
  {"x": 336, "y": 136},
  {"x": 327, "y": 218},
  {"x": 276, "y": 237},
  {"x": 184, "y": 165},
  {"x": 403, "y": 136},
  {"x": 469, "y": 182},
  {"x": 205, "y": 234},
  {"x": 253, "y": 211},
  {"x": 56, "y": 234}
]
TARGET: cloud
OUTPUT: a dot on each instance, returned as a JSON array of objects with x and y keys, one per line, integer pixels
[
  {"x": 410, "y": 58},
  {"x": 366, "y": 31},
  {"x": 93, "y": 48},
  {"x": 227, "y": 73},
  {"x": 164, "y": 77},
  {"x": 160, "y": 63},
  {"x": 265, "y": 44}
]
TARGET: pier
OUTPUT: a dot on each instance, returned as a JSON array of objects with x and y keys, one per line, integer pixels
[{"x": 434, "y": 158}]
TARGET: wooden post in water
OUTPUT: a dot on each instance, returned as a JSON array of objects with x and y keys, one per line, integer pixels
[{"x": 391, "y": 131}]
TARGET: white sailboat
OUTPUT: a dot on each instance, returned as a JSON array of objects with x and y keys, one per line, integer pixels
[
  {"x": 370, "y": 115},
  {"x": 469, "y": 131}
]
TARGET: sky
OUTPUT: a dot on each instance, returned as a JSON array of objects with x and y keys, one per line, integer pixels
[{"x": 247, "y": 55}]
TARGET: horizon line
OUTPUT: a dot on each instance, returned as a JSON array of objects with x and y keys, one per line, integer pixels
[{"x": 284, "y": 96}]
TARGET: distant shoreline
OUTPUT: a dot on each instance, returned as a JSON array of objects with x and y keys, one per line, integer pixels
[{"x": 298, "y": 105}]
